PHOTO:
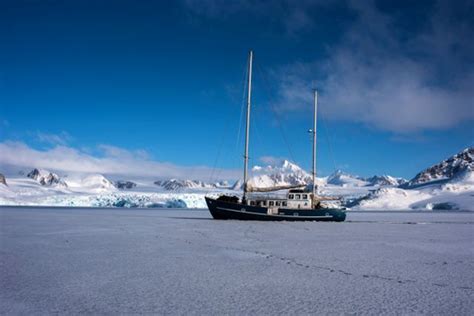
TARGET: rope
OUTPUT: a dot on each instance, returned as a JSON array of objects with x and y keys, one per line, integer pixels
[
  {"x": 275, "y": 113},
  {"x": 214, "y": 176},
  {"x": 244, "y": 83},
  {"x": 328, "y": 136}
]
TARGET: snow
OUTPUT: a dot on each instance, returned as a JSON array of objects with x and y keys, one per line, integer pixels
[
  {"x": 46, "y": 178},
  {"x": 385, "y": 180},
  {"x": 98, "y": 191},
  {"x": 455, "y": 192},
  {"x": 137, "y": 261},
  {"x": 96, "y": 183},
  {"x": 392, "y": 199},
  {"x": 458, "y": 194},
  {"x": 343, "y": 179},
  {"x": 284, "y": 174},
  {"x": 177, "y": 184},
  {"x": 105, "y": 199},
  {"x": 447, "y": 169}
]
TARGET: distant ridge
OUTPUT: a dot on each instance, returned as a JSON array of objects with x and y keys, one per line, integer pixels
[
  {"x": 46, "y": 178},
  {"x": 446, "y": 170}
]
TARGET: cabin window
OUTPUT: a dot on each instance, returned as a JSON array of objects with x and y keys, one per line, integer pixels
[
  {"x": 305, "y": 196},
  {"x": 283, "y": 203},
  {"x": 291, "y": 196},
  {"x": 277, "y": 203},
  {"x": 297, "y": 197},
  {"x": 270, "y": 203},
  {"x": 252, "y": 203},
  {"x": 263, "y": 203}
]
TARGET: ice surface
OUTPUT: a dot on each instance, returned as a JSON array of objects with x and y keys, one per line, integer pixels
[{"x": 131, "y": 261}]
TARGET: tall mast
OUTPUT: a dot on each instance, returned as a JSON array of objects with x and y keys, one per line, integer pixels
[
  {"x": 247, "y": 127},
  {"x": 314, "y": 140}
]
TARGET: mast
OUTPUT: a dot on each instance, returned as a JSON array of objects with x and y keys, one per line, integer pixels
[
  {"x": 247, "y": 125},
  {"x": 314, "y": 140}
]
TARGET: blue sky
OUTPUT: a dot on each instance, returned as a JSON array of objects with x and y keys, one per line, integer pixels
[{"x": 162, "y": 82}]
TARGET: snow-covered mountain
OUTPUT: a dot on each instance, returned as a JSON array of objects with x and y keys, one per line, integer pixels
[
  {"x": 425, "y": 191},
  {"x": 341, "y": 178},
  {"x": 448, "y": 169},
  {"x": 176, "y": 184},
  {"x": 345, "y": 179},
  {"x": 180, "y": 185},
  {"x": 46, "y": 178},
  {"x": 448, "y": 185},
  {"x": 385, "y": 180},
  {"x": 96, "y": 183},
  {"x": 286, "y": 173}
]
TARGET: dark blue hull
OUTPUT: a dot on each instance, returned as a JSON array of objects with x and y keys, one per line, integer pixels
[{"x": 228, "y": 210}]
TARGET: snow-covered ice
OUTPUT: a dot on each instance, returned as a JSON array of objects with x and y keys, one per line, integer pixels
[{"x": 162, "y": 261}]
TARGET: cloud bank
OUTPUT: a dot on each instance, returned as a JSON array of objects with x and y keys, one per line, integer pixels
[
  {"x": 391, "y": 80},
  {"x": 384, "y": 72},
  {"x": 111, "y": 161}
]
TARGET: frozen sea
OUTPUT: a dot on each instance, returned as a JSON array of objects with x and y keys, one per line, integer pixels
[{"x": 134, "y": 261}]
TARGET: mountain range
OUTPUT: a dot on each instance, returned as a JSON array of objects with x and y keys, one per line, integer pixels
[
  {"x": 46, "y": 178},
  {"x": 285, "y": 173},
  {"x": 448, "y": 184},
  {"x": 448, "y": 169}
]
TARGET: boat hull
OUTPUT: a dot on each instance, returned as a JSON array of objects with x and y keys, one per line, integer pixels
[{"x": 228, "y": 210}]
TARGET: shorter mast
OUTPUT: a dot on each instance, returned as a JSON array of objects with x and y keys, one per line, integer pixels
[
  {"x": 247, "y": 127},
  {"x": 315, "y": 119}
]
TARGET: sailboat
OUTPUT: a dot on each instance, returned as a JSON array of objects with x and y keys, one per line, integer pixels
[{"x": 299, "y": 204}]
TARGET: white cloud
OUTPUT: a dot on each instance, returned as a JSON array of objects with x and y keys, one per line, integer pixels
[
  {"x": 374, "y": 77},
  {"x": 114, "y": 161}
]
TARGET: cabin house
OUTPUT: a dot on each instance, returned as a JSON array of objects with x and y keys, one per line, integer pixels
[
  {"x": 295, "y": 199},
  {"x": 299, "y": 199}
]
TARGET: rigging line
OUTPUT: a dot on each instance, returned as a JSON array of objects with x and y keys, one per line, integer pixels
[
  {"x": 242, "y": 86},
  {"x": 259, "y": 137},
  {"x": 211, "y": 177},
  {"x": 216, "y": 161},
  {"x": 328, "y": 139},
  {"x": 275, "y": 113},
  {"x": 219, "y": 150},
  {"x": 244, "y": 83}
]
